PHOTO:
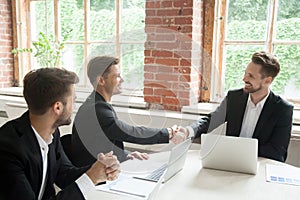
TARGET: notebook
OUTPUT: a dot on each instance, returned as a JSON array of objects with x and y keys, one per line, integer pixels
[
  {"x": 173, "y": 166},
  {"x": 236, "y": 154}
]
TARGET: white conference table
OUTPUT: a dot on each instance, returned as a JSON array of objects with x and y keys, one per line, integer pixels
[{"x": 194, "y": 182}]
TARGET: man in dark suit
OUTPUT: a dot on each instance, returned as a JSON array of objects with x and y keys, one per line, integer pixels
[
  {"x": 254, "y": 111},
  {"x": 96, "y": 125},
  {"x": 31, "y": 155}
]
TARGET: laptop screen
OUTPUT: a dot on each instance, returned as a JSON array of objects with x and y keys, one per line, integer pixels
[{"x": 228, "y": 153}]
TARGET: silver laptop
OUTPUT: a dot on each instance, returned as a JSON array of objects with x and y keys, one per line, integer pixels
[
  {"x": 147, "y": 186},
  {"x": 154, "y": 192},
  {"x": 138, "y": 188},
  {"x": 236, "y": 154},
  {"x": 173, "y": 166}
]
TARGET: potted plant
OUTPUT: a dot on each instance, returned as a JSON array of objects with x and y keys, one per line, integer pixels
[{"x": 46, "y": 50}]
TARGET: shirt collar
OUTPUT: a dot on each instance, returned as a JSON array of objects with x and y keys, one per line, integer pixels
[
  {"x": 259, "y": 104},
  {"x": 40, "y": 140}
]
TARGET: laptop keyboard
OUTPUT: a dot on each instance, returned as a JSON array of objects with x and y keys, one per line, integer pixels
[{"x": 156, "y": 174}]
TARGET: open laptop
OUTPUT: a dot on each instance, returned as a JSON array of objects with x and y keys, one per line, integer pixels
[
  {"x": 236, "y": 154},
  {"x": 147, "y": 186},
  {"x": 154, "y": 192},
  {"x": 175, "y": 163},
  {"x": 137, "y": 188}
]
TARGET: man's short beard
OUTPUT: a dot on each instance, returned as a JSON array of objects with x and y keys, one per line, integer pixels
[
  {"x": 62, "y": 121},
  {"x": 252, "y": 90}
]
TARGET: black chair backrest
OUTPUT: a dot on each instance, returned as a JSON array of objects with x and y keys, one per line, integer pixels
[{"x": 66, "y": 141}]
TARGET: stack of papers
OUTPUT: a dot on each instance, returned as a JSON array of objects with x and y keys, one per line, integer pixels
[
  {"x": 283, "y": 174},
  {"x": 128, "y": 186}
]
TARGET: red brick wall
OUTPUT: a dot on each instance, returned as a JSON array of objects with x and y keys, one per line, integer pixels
[
  {"x": 172, "y": 53},
  {"x": 6, "y": 58}
]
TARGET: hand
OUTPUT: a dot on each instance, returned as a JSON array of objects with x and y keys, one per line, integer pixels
[
  {"x": 112, "y": 165},
  {"x": 107, "y": 167},
  {"x": 182, "y": 130},
  {"x": 179, "y": 134},
  {"x": 138, "y": 155},
  {"x": 174, "y": 129},
  {"x": 178, "y": 137}
]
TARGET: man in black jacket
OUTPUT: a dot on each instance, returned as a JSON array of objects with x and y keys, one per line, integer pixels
[
  {"x": 31, "y": 155},
  {"x": 254, "y": 111},
  {"x": 96, "y": 125}
]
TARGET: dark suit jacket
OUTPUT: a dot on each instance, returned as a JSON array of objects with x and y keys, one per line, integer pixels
[
  {"x": 273, "y": 128},
  {"x": 21, "y": 165},
  {"x": 97, "y": 129}
]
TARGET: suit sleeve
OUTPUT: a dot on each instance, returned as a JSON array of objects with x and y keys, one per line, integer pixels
[
  {"x": 16, "y": 183},
  {"x": 116, "y": 129},
  {"x": 212, "y": 121},
  {"x": 277, "y": 145},
  {"x": 13, "y": 182},
  {"x": 67, "y": 175}
]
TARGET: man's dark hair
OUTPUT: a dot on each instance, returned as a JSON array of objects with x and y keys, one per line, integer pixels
[
  {"x": 269, "y": 63},
  {"x": 100, "y": 66},
  {"x": 45, "y": 86}
]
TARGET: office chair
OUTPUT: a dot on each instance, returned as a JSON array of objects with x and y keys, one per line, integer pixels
[{"x": 66, "y": 141}]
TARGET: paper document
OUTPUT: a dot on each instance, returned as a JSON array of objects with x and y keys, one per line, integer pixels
[
  {"x": 283, "y": 174},
  {"x": 129, "y": 186}
]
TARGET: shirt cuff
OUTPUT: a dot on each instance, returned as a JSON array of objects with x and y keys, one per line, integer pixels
[
  {"x": 191, "y": 131},
  {"x": 85, "y": 184}
]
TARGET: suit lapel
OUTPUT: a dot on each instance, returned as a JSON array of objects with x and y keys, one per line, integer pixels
[
  {"x": 241, "y": 111},
  {"x": 235, "y": 114},
  {"x": 51, "y": 162},
  {"x": 32, "y": 147},
  {"x": 264, "y": 115},
  {"x": 53, "y": 156}
]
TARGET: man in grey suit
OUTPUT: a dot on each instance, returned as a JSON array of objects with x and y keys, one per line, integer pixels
[
  {"x": 97, "y": 126},
  {"x": 254, "y": 111}
]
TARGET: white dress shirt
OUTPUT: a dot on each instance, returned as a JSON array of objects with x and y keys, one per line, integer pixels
[
  {"x": 44, "y": 151},
  {"x": 251, "y": 116},
  {"x": 84, "y": 183},
  {"x": 250, "y": 119}
]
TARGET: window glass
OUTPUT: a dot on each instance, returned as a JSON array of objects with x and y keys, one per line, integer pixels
[
  {"x": 287, "y": 82},
  {"x": 102, "y": 49},
  {"x": 132, "y": 20},
  {"x": 103, "y": 20},
  {"x": 288, "y": 20},
  {"x": 72, "y": 59},
  {"x": 72, "y": 19},
  {"x": 132, "y": 39},
  {"x": 132, "y": 66},
  {"x": 246, "y": 19},
  {"x": 41, "y": 18}
]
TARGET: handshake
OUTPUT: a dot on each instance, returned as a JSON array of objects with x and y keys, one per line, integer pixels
[{"x": 178, "y": 134}]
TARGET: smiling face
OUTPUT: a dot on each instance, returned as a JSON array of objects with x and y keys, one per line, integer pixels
[
  {"x": 113, "y": 81},
  {"x": 255, "y": 82}
]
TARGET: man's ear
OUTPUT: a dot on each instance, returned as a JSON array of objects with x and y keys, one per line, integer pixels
[
  {"x": 58, "y": 107},
  {"x": 269, "y": 80},
  {"x": 100, "y": 80}
]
